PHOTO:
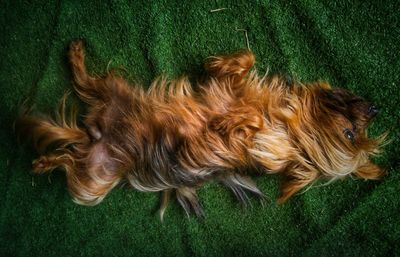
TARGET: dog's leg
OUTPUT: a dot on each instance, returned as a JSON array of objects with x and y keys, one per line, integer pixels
[
  {"x": 95, "y": 91},
  {"x": 370, "y": 171},
  {"x": 90, "y": 173},
  {"x": 108, "y": 96},
  {"x": 235, "y": 65},
  {"x": 46, "y": 163},
  {"x": 86, "y": 85},
  {"x": 240, "y": 185},
  {"x": 165, "y": 196},
  {"x": 238, "y": 130},
  {"x": 188, "y": 199},
  {"x": 294, "y": 180}
]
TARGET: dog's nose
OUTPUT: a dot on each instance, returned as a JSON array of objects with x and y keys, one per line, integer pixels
[{"x": 373, "y": 110}]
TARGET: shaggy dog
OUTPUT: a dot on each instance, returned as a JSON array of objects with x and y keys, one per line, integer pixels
[{"x": 175, "y": 137}]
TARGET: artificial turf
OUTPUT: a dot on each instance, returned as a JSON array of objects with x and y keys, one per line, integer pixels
[{"x": 351, "y": 44}]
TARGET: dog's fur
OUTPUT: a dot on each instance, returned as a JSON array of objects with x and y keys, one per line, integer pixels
[{"x": 173, "y": 138}]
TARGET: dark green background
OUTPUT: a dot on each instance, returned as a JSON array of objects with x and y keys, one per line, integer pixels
[{"x": 352, "y": 44}]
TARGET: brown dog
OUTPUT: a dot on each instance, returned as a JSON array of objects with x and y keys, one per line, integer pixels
[{"x": 174, "y": 138}]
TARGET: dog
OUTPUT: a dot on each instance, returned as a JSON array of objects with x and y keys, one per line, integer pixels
[{"x": 173, "y": 138}]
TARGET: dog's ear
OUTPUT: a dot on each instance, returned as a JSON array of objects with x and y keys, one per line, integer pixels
[
  {"x": 293, "y": 181},
  {"x": 370, "y": 171}
]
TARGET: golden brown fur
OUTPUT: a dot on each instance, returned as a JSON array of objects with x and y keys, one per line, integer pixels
[{"x": 174, "y": 138}]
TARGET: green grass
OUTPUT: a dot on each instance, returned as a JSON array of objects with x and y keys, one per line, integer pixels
[{"x": 352, "y": 44}]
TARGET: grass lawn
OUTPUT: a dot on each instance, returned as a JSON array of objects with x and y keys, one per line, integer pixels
[{"x": 351, "y": 44}]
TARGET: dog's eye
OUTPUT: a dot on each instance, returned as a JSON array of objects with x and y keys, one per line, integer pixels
[{"x": 349, "y": 134}]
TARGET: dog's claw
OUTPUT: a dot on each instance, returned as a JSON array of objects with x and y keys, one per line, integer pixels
[
  {"x": 41, "y": 164},
  {"x": 76, "y": 45}
]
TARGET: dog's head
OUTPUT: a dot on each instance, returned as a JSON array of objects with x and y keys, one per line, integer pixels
[{"x": 333, "y": 132}]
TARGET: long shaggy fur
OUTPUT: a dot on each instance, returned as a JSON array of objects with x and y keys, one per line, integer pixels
[{"x": 173, "y": 138}]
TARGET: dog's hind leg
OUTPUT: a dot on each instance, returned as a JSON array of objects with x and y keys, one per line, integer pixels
[
  {"x": 87, "y": 183},
  {"x": 109, "y": 97},
  {"x": 47, "y": 163},
  {"x": 95, "y": 90},
  {"x": 86, "y": 85}
]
